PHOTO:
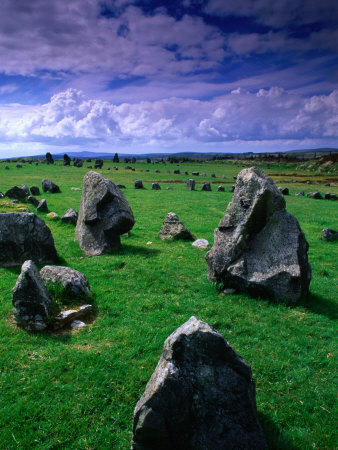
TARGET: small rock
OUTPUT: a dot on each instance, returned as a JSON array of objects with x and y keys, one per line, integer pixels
[
  {"x": 206, "y": 187},
  {"x": 201, "y": 243},
  {"x": 34, "y": 201},
  {"x": 191, "y": 185},
  {"x": 77, "y": 324},
  {"x": 155, "y": 186},
  {"x": 329, "y": 196},
  {"x": 75, "y": 189},
  {"x": 329, "y": 235},
  {"x": 315, "y": 195},
  {"x": 138, "y": 184},
  {"x": 42, "y": 206},
  {"x": 70, "y": 216},
  {"x": 173, "y": 228},
  {"x": 52, "y": 215},
  {"x": 300, "y": 194},
  {"x": 229, "y": 291},
  {"x": 35, "y": 190},
  {"x": 220, "y": 189}
]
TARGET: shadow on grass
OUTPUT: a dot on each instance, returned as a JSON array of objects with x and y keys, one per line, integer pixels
[
  {"x": 274, "y": 438},
  {"x": 128, "y": 249},
  {"x": 320, "y": 305}
]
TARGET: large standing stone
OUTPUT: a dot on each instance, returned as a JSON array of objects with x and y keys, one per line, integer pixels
[
  {"x": 25, "y": 236},
  {"x": 104, "y": 215},
  {"x": 30, "y": 299},
  {"x": 173, "y": 228},
  {"x": 66, "y": 160},
  {"x": 200, "y": 397},
  {"x": 258, "y": 246},
  {"x": 72, "y": 282},
  {"x": 190, "y": 185},
  {"x": 49, "y": 186}
]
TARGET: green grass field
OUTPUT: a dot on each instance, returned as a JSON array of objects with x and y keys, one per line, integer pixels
[{"x": 77, "y": 390}]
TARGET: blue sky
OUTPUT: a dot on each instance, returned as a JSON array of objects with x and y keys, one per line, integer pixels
[{"x": 152, "y": 76}]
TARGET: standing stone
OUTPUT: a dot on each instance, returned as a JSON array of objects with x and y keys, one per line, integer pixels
[
  {"x": 191, "y": 185},
  {"x": 16, "y": 193},
  {"x": 42, "y": 206},
  {"x": 173, "y": 228},
  {"x": 329, "y": 235},
  {"x": 6, "y": 168},
  {"x": 206, "y": 187},
  {"x": 98, "y": 164},
  {"x": 155, "y": 186},
  {"x": 71, "y": 281},
  {"x": 35, "y": 190},
  {"x": 258, "y": 246},
  {"x": 49, "y": 186},
  {"x": 66, "y": 160},
  {"x": 220, "y": 188},
  {"x": 104, "y": 215},
  {"x": 25, "y": 188},
  {"x": 315, "y": 195},
  {"x": 232, "y": 188},
  {"x": 70, "y": 216},
  {"x": 78, "y": 162},
  {"x": 200, "y": 397},
  {"x": 25, "y": 236},
  {"x": 284, "y": 191},
  {"x": 329, "y": 196},
  {"x": 213, "y": 175},
  {"x": 138, "y": 184},
  {"x": 30, "y": 299},
  {"x": 49, "y": 158},
  {"x": 34, "y": 201}
]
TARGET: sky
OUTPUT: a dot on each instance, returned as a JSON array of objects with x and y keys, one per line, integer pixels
[{"x": 144, "y": 76}]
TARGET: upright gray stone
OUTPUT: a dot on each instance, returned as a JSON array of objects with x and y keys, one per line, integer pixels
[
  {"x": 200, "y": 397},
  {"x": 138, "y": 184},
  {"x": 191, "y": 185},
  {"x": 104, "y": 215},
  {"x": 173, "y": 228},
  {"x": 25, "y": 188},
  {"x": 72, "y": 282},
  {"x": 206, "y": 187},
  {"x": 258, "y": 246},
  {"x": 34, "y": 201},
  {"x": 70, "y": 216},
  {"x": 78, "y": 162},
  {"x": 50, "y": 186},
  {"x": 220, "y": 188},
  {"x": 42, "y": 206},
  {"x": 35, "y": 190},
  {"x": 98, "y": 164},
  {"x": 30, "y": 299},
  {"x": 25, "y": 236}
]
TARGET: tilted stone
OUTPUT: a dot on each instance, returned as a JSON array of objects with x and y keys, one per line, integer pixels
[
  {"x": 42, "y": 206},
  {"x": 104, "y": 215},
  {"x": 70, "y": 216},
  {"x": 201, "y": 396},
  {"x": 258, "y": 246},
  {"x": 25, "y": 236},
  {"x": 173, "y": 228},
  {"x": 72, "y": 282},
  {"x": 50, "y": 186},
  {"x": 30, "y": 299}
]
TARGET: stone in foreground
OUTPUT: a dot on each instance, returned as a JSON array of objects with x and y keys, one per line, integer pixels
[
  {"x": 329, "y": 235},
  {"x": 30, "y": 299},
  {"x": 73, "y": 282},
  {"x": 200, "y": 397},
  {"x": 258, "y": 246},
  {"x": 70, "y": 216},
  {"x": 104, "y": 215},
  {"x": 25, "y": 236},
  {"x": 173, "y": 228}
]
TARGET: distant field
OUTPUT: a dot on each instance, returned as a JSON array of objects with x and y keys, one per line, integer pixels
[{"x": 78, "y": 390}]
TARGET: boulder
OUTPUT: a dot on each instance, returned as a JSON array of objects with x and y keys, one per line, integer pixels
[
  {"x": 49, "y": 186},
  {"x": 329, "y": 235},
  {"x": 206, "y": 187},
  {"x": 30, "y": 299},
  {"x": 284, "y": 191},
  {"x": 201, "y": 396},
  {"x": 25, "y": 188},
  {"x": 329, "y": 196},
  {"x": 173, "y": 228},
  {"x": 138, "y": 184},
  {"x": 191, "y": 185},
  {"x": 65, "y": 318},
  {"x": 70, "y": 216},
  {"x": 34, "y": 201},
  {"x": 155, "y": 186},
  {"x": 258, "y": 246},
  {"x": 195, "y": 174},
  {"x": 25, "y": 236},
  {"x": 201, "y": 243},
  {"x": 104, "y": 215},
  {"x": 42, "y": 206},
  {"x": 121, "y": 186},
  {"x": 78, "y": 162},
  {"x": 35, "y": 190},
  {"x": 316, "y": 195},
  {"x": 71, "y": 281},
  {"x": 16, "y": 193},
  {"x": 220, "y": 189}
]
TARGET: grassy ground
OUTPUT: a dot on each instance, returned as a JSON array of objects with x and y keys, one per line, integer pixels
[{"x": 78, "y": 390}]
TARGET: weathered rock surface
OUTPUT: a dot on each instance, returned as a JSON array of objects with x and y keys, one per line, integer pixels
[
  {"x": 329, "y": 235},
  {"x": 138, "y": 184},
  {"x": 30, "y": 299},
  {"x": 16, "y": 193},
  {"x": 49, "y": 186},
  {"x": 25, "y": 236},
  {"x": 258, "y": 246},
  {"x": 35, "y": 190},
  {"x": 25, "y": 188},
  {"x": 65, "y": 318},
  {"x": 42, "y": 206},
  {"x": 70, "y": 216},
  {"x": 200, "y": 397},
  {"x": 191, "y": 185},
  {"x": 72, "y": 282},
  {"x": 201, "y": 243},
  {"x": 104, "y": 215},
  {"x": 173, "y": 228}
]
